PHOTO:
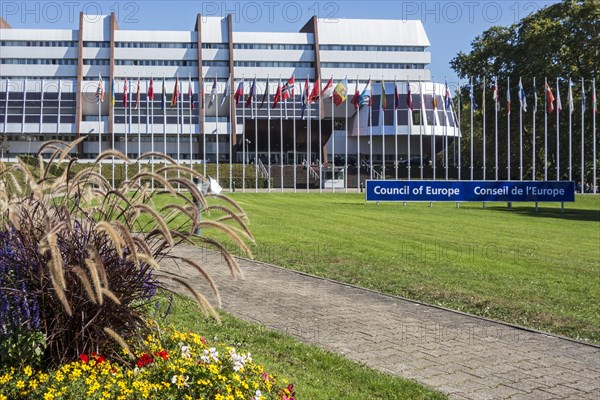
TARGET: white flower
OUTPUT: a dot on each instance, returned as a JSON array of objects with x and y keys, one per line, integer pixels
[
  {"x": 179, "y": 381},
  {"x": 185, "y": 352},
  {"x": 257, "y": 395},
  {"x": 210, "y": 355}
]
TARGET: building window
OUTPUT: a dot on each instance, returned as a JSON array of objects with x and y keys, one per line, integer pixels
[
  {"x": 373, "y": 65},
  {"x": 172, "y": 63},
  {"x": 352, "y": 47},
  {"x": 272, "y": 46},
  {"x": 33, "y": 61},
  {"x": 25, "y": 43},
  {"x": 156, "y": 45},
  {"x": 220, "y": 46},
  {"x": 274, "y": 64},
  {"x": 96, "y": 44}
]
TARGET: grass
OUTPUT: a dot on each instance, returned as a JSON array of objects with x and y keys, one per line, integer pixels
[
  {"x": 539, "y": 270},
  {"x": 316, "y": 374}
]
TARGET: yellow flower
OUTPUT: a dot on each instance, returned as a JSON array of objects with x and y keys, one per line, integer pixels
[
  {"x": 48, "y": 396},
  {"x": 3, "y": 397},
  {"x": 28, "y": 371},
  {"x": 20, "y": 384}
]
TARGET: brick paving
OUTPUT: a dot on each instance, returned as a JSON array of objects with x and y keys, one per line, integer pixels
[{"x": 461, "y": 355}]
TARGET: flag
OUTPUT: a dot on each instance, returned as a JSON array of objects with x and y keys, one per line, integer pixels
[
  {"x": 365, "y": 96},
  {"x": 175, "y": 93},
  {"x": 137, "y": 95},
  {"x": 239, "y": 93},
  {"x": 383, "y": 98},
  {"x": 447, "y": 98},
  {"x": 304, "y": 98},
  {"x": 100, "y": 90},
  {"x": 151, "y": 90},
  {"x": 327, "y": 91},
  {"x": 265, "y": 95},
  {"x": 125, "y": 93},
  {"x": 508, "y": 98},
  {"x": 472, "y": 96},
  {"x": 570, "y": 96},
  {"x": 213, "y": 92},
  {"x": 190, "y": 93},
  {"x": 316, "y": 90},
  {"x": 215, "y": 188},
  {"x": 396, "y": 97},
  {"x": 355, "y": 99},
  {"x": 163, "y": 104},
  {"x": 558, "y": 102},
  {"x": 409, "y": 101},
  {"x": 434, "y": 102},
  {"x": 226, "y": 90},
  {"x": 340, "y": 92},
  {"x": 549, "y": 98},
  {"x": 287, "y": 90},
  {"x": 496, "y": 95},
  {"x": 522, "y": 98},
  {"x": 277, "y": 97},
  {"x": 112, "y": 93},
  {"x": 252, "y": 94},
  {"x": 535, "y": 98}
]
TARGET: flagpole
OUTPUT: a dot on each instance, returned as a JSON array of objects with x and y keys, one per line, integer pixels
[
  {"x": 508, "y": 124},
  {"x": 545, "y": 128},
  {"x": 395, "y": 128},
  {"x": 483, "y": 136},
  {"x": 582, "y": 135},
  {"x": 558, "y": 107},
  {"x": 281, "y": 137},
  {"x": 308, "y": 140},
  {"x": 244, "y": 143},
  {"x": 139, "y": 128},
  {"x": 570, "y": 99},
  {"x": 370, "y": 134},
  {"x": 127, "y": 128},
  {"x": 446, "y": 122},
  {"x": 268, "y": 96},
  {"x": 460, "y": 131},
  {"x": 42, "y": 107},
  {"x": 295, "y": 163},
  {"x": 99, "y": 132},
  {"x": 346, "y": 141},
  {"x": 533, "y": 174},
  {"x": 253, "y": 110},
  {"x": 358, "y": 160},
  {"x": 164, "y": 103},
  {"x": 147, "y": 119},
  {"x": 320, "y": 151},
  {"x": 410, "y": 125},
  {"x": 383, "y": 101},
  {"x": 113, "y": 140},
  {"x": 332, "y": 143},
  {"x": 521, "y": 94},
  {"x": 232, "y": 120},
  {"x": 202, "y": 105},
  {"x": 180, "y": 124},
  {"x": 151, "y": 130},
  {"x": 216, "y": 103},
  {"x": 433, "y": 125},
  {"x": 594, "y": 111},
  {"x": 472, "y": 106},
  {"x": 496, "y": 104},
  {"x": 190, "y": 105},
  {"x": 422, "y": 126}
]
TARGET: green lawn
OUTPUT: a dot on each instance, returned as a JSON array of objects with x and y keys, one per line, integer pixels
[
  {"x": 316, "y": 374},
  {"x": 539, "y": 270}
]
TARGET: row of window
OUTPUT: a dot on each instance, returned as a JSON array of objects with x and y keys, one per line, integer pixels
[
  {"x": 272, "y": 46},
  {"x": 353, "y": 47},
  {"x": 44, "y": 61},
  {"x": 35, "y": 119},
  {"x": 18, "y": 96},
  {"x": 96, "y": 61},
  {"x": 173, "y": 63},
  {"x": 87, "y": 43},
  {"x": 39, "y": 43},
  {"x": 156, "y": 45},
  {"x": 373, "y": 65},
  {"x": 274, "y": 64}
]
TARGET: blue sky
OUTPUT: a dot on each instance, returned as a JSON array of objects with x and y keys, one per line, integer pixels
[{"x": 450, "y": 25}]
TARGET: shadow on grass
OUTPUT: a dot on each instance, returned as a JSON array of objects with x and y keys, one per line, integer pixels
[{"x": 572, "y": 214}]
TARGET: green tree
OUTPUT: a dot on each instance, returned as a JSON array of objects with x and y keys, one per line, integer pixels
[{"x": 561, "y": 41}]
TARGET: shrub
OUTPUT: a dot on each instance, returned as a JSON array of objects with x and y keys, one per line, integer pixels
[{"x": 77, "y": 257}]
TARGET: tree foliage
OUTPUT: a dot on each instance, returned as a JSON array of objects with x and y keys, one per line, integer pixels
[{"x": 559, "y": 42}]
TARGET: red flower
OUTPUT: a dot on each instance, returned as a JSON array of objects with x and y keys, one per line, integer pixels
[
  {"x": 144, "y": 360},
  {"x": 162, "y": 354},
  {"x": 84, "y": 358}
]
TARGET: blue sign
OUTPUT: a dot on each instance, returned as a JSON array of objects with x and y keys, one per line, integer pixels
[{"x": 488, "y": 191}]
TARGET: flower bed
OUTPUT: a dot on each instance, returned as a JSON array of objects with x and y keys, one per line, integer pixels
[{"x": 175, "y": 365}]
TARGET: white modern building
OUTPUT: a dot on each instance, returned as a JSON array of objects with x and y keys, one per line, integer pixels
[{"x": 50, "y": 78}]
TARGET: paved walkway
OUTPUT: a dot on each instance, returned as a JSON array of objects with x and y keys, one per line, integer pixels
[{"x": 461, "y": 355}]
